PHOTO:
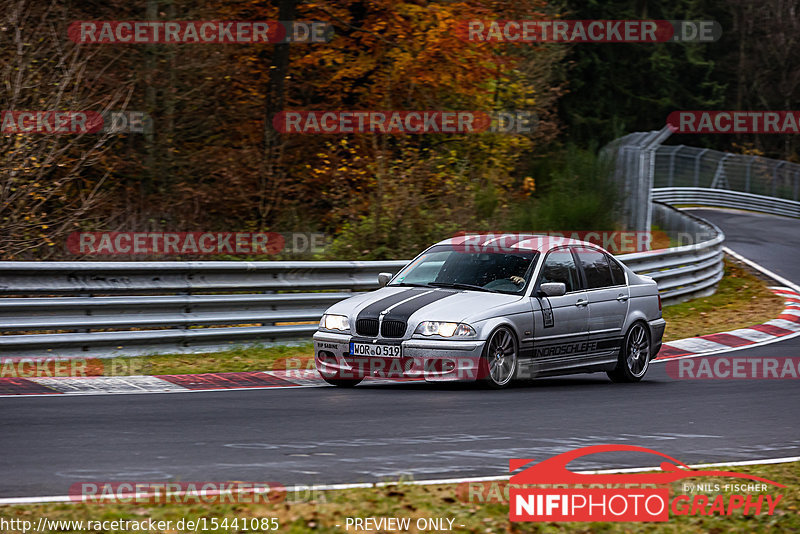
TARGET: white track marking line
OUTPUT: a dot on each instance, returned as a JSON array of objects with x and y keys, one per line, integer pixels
[
  {"x": 332, "y": 487},
  {"x": 762, "y": 270}
]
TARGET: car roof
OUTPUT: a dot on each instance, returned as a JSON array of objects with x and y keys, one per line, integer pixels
[{"x": 512, "y": 242}]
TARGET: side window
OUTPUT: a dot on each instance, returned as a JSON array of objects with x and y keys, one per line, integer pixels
[
  {"x": 595, "y": 267},
  {"x": 559, "y": 266},
  {"x": 616, "y": 272}
]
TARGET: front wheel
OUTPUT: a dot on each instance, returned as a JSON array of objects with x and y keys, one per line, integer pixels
[
  {"x": 634, "y": 356},
  {"x": 499, "y": 362}
]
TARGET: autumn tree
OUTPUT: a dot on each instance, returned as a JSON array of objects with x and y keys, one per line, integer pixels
[{"x": 49, "y": 183}]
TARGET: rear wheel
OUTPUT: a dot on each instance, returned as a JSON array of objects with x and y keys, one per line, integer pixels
[
  {"x": 634, "y": 356},
  {"x": 499, "y": 362}
]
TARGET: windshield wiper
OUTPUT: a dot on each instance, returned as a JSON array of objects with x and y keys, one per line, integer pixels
[
  {"x": 407, "y": 284},
  {"x": 456, "y": 285}
]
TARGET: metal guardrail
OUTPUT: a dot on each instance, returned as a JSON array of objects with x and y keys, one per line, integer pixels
[
  {"x": 687, "y": 271},
  {"x": 692, "y": 175},
  {"x": 645, "y": 170},
  {"x": 117, "y": 278},
  {"x": 649, "y": 174},
  {"x": 679, "y": 166},
  {"x": 633, "y": 157},
  {"x": 682, "y": 272},
  {"x": 722, "y": 198},
  {"x": 126, "y": 308},
  {"x": 212, "y": 305}
]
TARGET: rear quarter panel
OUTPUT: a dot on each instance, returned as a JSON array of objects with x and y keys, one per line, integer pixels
[{"x": 643, "y": 300}]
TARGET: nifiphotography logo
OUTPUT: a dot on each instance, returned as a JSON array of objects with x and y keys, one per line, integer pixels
[{"x": 539, "y": 494}]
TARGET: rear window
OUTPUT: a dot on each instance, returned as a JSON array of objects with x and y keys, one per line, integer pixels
[{"x": 617, "y": 273}]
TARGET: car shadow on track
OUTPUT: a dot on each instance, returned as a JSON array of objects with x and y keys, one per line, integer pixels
[{"x": 587, "y": 382}]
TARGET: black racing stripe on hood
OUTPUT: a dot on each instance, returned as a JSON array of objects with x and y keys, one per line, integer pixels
[
  {"x": 374, "y": 310},
  {"x": 405, "y": 310}
]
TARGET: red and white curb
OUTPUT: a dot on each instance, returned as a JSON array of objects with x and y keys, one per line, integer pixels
[
  {"x": 786, "y": 324},
  {"x": 109, "y": 385}
]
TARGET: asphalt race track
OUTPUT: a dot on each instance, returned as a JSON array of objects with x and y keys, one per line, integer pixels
[
  {"x": 375, "y": 433},
  {"x": 766, "y": 239}
]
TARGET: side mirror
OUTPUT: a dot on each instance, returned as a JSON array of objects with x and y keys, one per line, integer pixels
[
  {"x": 553, "y": 289},
  {"x": 383, "y": 279}
]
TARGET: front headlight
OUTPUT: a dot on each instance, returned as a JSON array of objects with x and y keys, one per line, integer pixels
[
  {"x": 439, "y": 328},
  {"x": 335, "y": 322}
]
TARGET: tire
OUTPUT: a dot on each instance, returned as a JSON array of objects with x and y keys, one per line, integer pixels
[
  {"x": 634, "y": 355},
  {"x": 336, "y": 379},
  {"x": 342, "y": 382},
  {"x": 499, "y": 362}
]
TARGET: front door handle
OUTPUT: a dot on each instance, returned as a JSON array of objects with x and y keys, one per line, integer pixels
[
  {"x": 581, "y": 302},
  {"x": 622, "y": 298}
]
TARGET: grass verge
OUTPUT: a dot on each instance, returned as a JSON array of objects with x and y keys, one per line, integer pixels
[
  {"x": 321, "y": 512},
  {"x": 742, "y": 299},
  {"x": 254, "y": 358}
]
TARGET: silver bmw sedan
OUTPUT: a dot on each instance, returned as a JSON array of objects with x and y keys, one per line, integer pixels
[{"x": 495, "y": 308}]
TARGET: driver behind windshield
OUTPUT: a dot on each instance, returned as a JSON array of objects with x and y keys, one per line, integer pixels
[{"x": 501, "y": 272}]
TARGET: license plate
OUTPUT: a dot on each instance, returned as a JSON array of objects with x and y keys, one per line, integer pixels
[{"x": 375, "y": 349}]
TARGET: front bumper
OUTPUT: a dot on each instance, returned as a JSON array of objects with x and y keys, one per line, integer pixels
[{"x": 434, "y": 360}]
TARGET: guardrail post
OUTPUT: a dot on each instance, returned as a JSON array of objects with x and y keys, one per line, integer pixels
[
  {"x": 720, "y": 173},
  {"x": 671, "y": 175},
  {"x": 697, "y": 160},
  {"x": 775, "y": 178},
  {"x": 649, "y": 167}
]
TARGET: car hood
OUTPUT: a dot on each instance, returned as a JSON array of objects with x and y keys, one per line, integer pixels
[{"x": 422, "y": 304}]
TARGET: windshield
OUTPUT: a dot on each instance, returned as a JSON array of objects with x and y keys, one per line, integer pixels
[{"x": 442, "y": 266}]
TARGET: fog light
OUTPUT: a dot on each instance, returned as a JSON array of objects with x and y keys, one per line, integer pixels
[{"x": 326, "y": 357}]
